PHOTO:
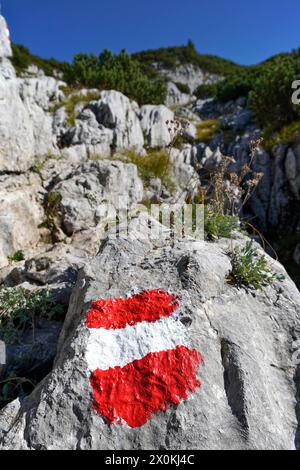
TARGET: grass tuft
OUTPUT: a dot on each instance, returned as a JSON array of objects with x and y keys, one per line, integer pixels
[{"x": 206, "y": 130}]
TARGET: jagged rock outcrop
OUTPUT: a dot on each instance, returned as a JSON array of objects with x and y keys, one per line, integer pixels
[
  {"x": 249, "y": 385},
  {"x": 54, "y": 268},
  {"x": 175, "y": 97},
  {"x": 190, "y": 75},
  {"x": 25, "y": 128},
  {"x": 86, "y": 192},
  {"x": 275, "y": 202},
  {"x": 106, "y": 126}
]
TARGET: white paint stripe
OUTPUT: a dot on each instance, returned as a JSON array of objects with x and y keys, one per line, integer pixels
[{"x": 110, "y": 348}]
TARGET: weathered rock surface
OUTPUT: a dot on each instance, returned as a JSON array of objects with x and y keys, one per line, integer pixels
[
  {"x": 183, "y": 161},
  {"x": 175, "y": 96},
  {"x": 153, "y": 121},
  {"x": 25, "y": 128},
  {"x": 21, "y": 213},
  {"x": 190, "y": 75},
  {"x": 5, "y": 46},
  {"x": 249, "y": 381},
  {"x": 107, "y": 125},
  {"x": 86, "y": 192}
]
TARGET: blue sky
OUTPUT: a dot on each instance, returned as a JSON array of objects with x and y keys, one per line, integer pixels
[{"x": 241, "y": 30}]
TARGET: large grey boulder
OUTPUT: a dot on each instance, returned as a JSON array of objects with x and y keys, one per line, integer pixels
[
  {"x": 153, "y": 122},
  {"x": 115, "y": 111},
  {"x": 105, "y": 126},
  {"x": 249, "y": 377},
  {"x": 86, "y": 193},
  {"x": 88, "y": 134}
]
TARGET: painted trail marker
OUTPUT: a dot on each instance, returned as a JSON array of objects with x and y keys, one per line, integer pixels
[{"x": 139, "y": 357}]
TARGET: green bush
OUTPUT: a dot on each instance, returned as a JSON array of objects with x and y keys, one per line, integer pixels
[
  {"x": 237, "y": 85},
  {"x": 22, "y": 58},
  {"x": 270, "y": 99},
  {"x": 170, "y": 57},
  {"x": 249, "y": 269},
  {"x": 206, "y": 91},
  {"x": 118, "y": 72}
]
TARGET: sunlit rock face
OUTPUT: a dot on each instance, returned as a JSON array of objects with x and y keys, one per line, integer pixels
[{"x": 5, "y": 46}]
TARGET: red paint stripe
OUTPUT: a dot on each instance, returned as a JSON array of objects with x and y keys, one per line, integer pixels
[
  {"x": 144, "y": 387},
  {"x": 118, "y": 313}
]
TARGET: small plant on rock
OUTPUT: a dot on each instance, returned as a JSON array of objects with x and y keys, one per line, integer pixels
[
  {"x": 18, "y": 256},
  {"x": 20, "y": 307},
  {"x": 249, "y": 269},
  {"x": 219, "y": 225}
]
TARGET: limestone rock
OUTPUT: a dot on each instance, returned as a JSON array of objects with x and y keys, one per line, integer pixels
[
  {"x": 248, "y": 378},
  {"x": 115, "y": 111},
  {"x": 190, "y": 75},
  {"x": 25, "y": 128},
  {"x": 175, "y": 96},
  {"x": 88, "y": 133},
  {"x": 153, "y": 121},
  {"x": 5, "y": 46},
  {"x": 21, "y": 213},
  {"x": 89, "y": 189}
]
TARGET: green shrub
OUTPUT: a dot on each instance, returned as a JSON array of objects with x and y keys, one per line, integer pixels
[
  {"x": 207, "y": 129},
  {"x": 18, "y": 256},
  {"x": 237, "y": 85},
  {"x": 218, "y": 225},
  {"x": 170, "y": 57},
  {"x": 118, "y": 72},
  {"x": 234, "y": 86},
  {"x": 249, "y": 269},
  {"x": 22, "y": 58},
  {"x": 270, "y": 99},
  {"x": 18, "y": 309},
  {"x": 206, "y": 91}
]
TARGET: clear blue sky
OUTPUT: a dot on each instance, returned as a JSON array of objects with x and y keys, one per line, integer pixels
[{"x": 241, "y": 30}]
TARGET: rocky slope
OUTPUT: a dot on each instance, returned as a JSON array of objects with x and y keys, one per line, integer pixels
[{"x": 61, "y": 170}]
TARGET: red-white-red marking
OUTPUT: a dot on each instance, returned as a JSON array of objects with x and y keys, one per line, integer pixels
[{"x": 139, "y": 357}]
